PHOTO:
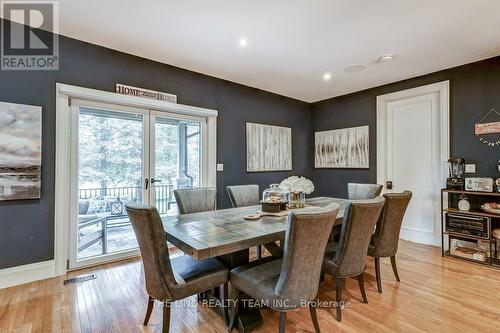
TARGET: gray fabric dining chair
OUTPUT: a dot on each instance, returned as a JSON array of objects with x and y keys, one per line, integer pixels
[
  {"x": 363, "y": 191},
  {"x": 194, "y": 200},
  {"x": 245, "y": 195},
  {"x": 348, "y": 257},
  {"x": 284, "y": 284},
  {"x": 168, "y": 280},
  {"x": 385, "y": 240}
]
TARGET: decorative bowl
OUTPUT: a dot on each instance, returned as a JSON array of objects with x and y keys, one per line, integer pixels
[{"x": 492, "y": 208}]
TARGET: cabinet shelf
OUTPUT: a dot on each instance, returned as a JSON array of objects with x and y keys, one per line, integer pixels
[
  {"x": 492, "y": 194},
  {"x": 470, "y": 212},
  {"x": 488, "y": 262},
  {"x": 456, "y": 234}
]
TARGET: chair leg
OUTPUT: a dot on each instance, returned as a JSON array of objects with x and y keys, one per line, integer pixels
[
  {"x": 259, "y": 251},
  {"x": 166, "y": 317},
  {"x": 377, "y": 274},
  {"x": 234, "y": 300},
  {"x": 361, "y": 284},
  {"x": 314, "y": 317},
  {"x": 394, "y": 268},
  {"x": 151, "y": 304},
  {"x": 338, "y": 287},
  {"x": 223, "y": 293},
  {"x": 282, "y": 322}
]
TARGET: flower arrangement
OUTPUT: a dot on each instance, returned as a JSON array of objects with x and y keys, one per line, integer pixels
[
  {"x": 297, "y": 184},
  {"x": 297, "y": 188}
]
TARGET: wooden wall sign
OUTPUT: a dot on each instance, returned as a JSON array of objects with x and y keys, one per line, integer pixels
[
  {"x": 487, "y": 128},
  {"x": 146, "y": 93},
  {"x": 484, "y": 130}
]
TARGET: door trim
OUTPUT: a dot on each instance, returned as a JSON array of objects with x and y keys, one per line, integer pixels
[
  {"x": 64, "y": 94},
  {"x": 74, "y": 263},
  {"x": 443, "y": 90}
]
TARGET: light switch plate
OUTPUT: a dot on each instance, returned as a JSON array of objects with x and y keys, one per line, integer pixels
[
  {"x": 220, "y": 167},
  {"x": 470, "y": 168}
]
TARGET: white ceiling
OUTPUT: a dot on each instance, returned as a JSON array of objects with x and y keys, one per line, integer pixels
[{"x": 292, "y": 43}]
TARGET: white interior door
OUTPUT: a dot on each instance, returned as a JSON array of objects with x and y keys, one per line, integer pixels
[{"x": 413, "y": 153}]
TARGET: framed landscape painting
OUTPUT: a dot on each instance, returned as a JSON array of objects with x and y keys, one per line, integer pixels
[
  {"x": 20, "y": 151},
  {"x": 269, "y": 148},
  {"x": 342, "y": 148}
]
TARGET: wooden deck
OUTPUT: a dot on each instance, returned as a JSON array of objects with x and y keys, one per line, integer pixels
[{"x": 435, "y": 295}]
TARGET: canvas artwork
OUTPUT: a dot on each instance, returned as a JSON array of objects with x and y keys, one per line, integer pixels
[
  {"x": 20, "y": 151},
  {"x": 269, "y": 148},
  {"x": 342, "y": 148}
]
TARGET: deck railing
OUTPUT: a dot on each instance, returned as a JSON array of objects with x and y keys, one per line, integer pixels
[{"x": 163, "y": 194}]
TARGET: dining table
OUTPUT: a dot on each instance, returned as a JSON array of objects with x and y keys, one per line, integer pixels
[{"x": 225, "y": 234}]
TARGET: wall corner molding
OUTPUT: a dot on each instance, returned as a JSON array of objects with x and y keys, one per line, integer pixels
[{"x": 14, "y": 276}]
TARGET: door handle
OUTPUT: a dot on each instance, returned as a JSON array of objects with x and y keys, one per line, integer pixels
[
  {"x": 155, "y": 180},
  {"x": 388, "y": 184},
  {"x": 146, "y": 183}
]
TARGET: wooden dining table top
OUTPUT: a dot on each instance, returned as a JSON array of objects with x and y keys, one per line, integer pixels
[{"x": 214, "y": 233}]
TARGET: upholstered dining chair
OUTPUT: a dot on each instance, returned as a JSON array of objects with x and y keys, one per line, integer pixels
[
  {"x": 284, "y": 284},
  {"x": 193, "y": 200},
  {"x": 245, "y": 195},
  {"x": 363, "y": 191},
  {"x": 168, "y": 280},
  {"x": 384, "y": 242},
  {"x": 348, "y": 257}
]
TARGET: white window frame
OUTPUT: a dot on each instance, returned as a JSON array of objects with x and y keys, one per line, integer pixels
[{"x": 65, "y": 159}]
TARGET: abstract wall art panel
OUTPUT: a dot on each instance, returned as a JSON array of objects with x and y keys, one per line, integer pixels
[
  {"x": 20, "y": 151},
  {"x": 269, "y": 148},
  {"x": 342, "y": 148}
]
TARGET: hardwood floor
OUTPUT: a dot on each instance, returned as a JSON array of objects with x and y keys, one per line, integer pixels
[{"x": 435, "y": 295}]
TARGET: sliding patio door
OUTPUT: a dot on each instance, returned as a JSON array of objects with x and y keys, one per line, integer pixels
[
  {"x": 122, "y": 155},
  {"x": 175, "y": 159}
]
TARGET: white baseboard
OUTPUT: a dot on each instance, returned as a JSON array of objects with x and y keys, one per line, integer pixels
[
  {"x": 27, "y": 273},
  {"x": 419, "y": 238}
]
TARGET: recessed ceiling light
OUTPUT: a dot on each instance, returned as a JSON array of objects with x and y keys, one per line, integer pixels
[
  {"x": 386, "y": 57},
  {"x": 327, "y": 77},
  {"x": 243, "y": 42},
  {"x": 354, "y": 68}
]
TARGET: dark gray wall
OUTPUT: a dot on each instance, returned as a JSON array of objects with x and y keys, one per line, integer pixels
[
  {"x": 474, "y": 90},
  {"x": 27, "y": 227}
]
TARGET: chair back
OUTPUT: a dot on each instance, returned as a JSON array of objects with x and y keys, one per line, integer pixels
[
  {"x": 243, "y": 195},
  {"x": 363, "y": 191},
  {"x": 193, "y": 200},
  {"x": 148, "y": 229},
  {"x": 306, "y": 237},
  {"x": 359, "y": 221},
  {"x": 386, "y": 238}
]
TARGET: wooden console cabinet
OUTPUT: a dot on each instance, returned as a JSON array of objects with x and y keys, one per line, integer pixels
[{"x": 476, "y": 199}]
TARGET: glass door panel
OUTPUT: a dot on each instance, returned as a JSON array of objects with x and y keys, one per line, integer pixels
[
  {"x": 177, "y": 157},
  {"x": 111, "y": 168}
]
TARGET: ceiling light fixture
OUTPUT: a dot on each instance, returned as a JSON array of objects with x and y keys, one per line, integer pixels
[
  {"x": 243, "y": 42},
  {"x": 386, "y": 57},
  {"x": 327, "y": 77},
  {"x": 354, "y": 68}
]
